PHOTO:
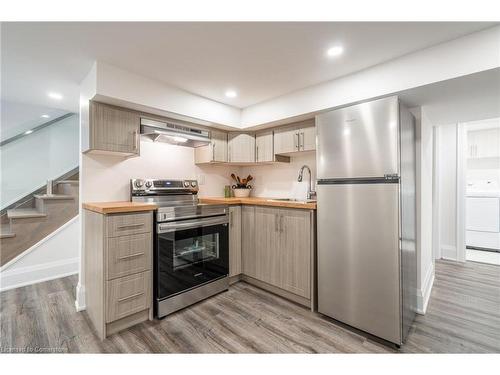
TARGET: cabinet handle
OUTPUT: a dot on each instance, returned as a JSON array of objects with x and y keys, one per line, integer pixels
[
  {"x": 301, "y": 144},
  {"x": 231, "y": 218},
  {"x": 296, "y": 141},
  {"x": 229, "y": 153},
  {"x": 256, "y": 153},
  {"x": 130, "y": 297},
  {"x": 131, "y": 256},
  {"x": 281, "y": 223},
  {"x": 276, "y": 222},
  {"x": 136, "y": 138},
  {"x": 129, "y": 226},
  {"x": 213, "y": 151}
]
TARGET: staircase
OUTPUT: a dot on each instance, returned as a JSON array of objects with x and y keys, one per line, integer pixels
[{"x": 37, "y": 216}]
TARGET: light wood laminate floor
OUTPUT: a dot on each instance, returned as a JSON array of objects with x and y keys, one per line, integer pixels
[{"x": 463, "y": 316}]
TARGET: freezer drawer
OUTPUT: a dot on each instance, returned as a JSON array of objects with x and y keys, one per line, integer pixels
[
  {"x": 359, "y": 141},
  {"x": 358, "y": 257}
]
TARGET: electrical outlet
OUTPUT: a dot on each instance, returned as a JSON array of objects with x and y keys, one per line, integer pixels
[{"x": 201, "y": 179}]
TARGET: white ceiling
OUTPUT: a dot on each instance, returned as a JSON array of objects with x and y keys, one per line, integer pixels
[
  {"x": 468, "y": 98},
  {"x": 258, "y": 60}
]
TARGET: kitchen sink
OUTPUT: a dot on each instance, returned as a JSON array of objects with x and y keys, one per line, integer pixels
[{"x": 292, "y": 200}]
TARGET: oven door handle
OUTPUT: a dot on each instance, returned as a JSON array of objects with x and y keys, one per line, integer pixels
[{"x": 189, "y": 224}]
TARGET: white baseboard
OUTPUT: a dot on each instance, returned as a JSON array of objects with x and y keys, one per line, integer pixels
[
  {"x": 424, "y": 294},
  {"x": 449, "y": 252},
  {"x": 80, "y": 297},
  {"x": 10, "y": 279}
]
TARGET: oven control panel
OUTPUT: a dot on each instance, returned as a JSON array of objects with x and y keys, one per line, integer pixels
[{"x": 146, "y": 186}]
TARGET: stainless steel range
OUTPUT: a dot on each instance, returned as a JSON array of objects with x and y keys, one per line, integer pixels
[{"x": 191, "y": 250}]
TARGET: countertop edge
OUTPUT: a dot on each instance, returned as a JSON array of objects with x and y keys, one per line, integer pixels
[
  {"x": 118, "y": 207},
  {"x": 254, "y": 201}
]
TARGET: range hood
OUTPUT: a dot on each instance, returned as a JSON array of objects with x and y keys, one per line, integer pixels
[{"x": 176, "y": 134}]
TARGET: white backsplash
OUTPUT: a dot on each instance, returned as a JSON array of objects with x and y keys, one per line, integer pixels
[
  {"x": 280, "y": 180},
  {"x": 107, "y": 178}
]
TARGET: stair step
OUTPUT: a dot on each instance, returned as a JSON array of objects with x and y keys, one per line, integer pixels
[
  {"x": 5, "y": 232},
  {"x": 53, "y": 196},
  {"x": 72, "y": 182},
  {"x": 24, "y": 213}
]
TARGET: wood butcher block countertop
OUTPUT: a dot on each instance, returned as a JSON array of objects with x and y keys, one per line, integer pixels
[
  {"x": 259, "y": 202},
  {"x": 119, "y": 207}
]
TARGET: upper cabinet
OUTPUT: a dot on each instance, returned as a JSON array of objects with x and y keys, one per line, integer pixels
[
  {"x": 261, "y": 147},
  {"x": 241, "y": 147},
  {"x": 113, "y": 130},
  {"x": 295, "y": 138},
  {"x": 264, "y": 148},
  {"x": 215, "y": 152},
  {"x": 307, "y": 138},
  {"x": 484, "y": 143}
]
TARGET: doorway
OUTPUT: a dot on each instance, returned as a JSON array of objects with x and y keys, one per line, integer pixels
[{"x": 481, "y": 172}]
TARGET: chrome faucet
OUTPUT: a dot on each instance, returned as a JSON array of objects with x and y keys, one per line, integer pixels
[{"x": 311, "y": 194}]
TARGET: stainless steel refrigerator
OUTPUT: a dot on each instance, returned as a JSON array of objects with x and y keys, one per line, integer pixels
[{"x": 366, "y": 217}]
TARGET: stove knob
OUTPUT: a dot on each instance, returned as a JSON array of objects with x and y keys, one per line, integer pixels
[
  {"x": 138, "y": 184},
  {"x": 193, "y": 183},
  {"x": 186, "y": 183}
]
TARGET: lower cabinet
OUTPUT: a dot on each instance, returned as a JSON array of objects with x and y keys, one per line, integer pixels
[
  {"x": 277, "y": 247},
  {"x": 248, "y": 248},
  {"x": 118, "y": 264},
  {"x": 234, "y": 240}
]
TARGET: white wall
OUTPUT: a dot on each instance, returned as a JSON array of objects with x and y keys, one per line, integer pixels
[
  {"x": 121, "y": 87},
  {"x": 280, "y": 180},
  {"x": 448, "y": 190},
  {"x": 57, "y": 255},
  {"x": 27, "y": 163},
  {"x": 107, "y": 178},
  {"x": 470, "y": 54},
  {"x": 425, "y": 263}
]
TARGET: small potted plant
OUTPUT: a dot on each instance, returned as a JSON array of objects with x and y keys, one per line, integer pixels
[{"x": 242, "y": 188}]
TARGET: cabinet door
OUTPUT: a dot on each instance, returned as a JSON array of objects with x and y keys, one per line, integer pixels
[
  {"x": 219, "y": 145},
  {"x": 470, "y": 141},
  {"x": 114, "y": 129},
  {"x": 234, "y": 240},
  {"x": 267, "y": 243},
  {"x": 241, "y": 147},
  {"x": 491, "y": 143},
  {"x": 248, "y": 248},
  {"x": 286, "y": 140},
  {"x": 295, "y": 251},
  {"x": 264, "y": 146},
  {"x": 307, "y": 137}
]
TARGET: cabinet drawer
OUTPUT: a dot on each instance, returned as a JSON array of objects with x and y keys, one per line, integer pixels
[
  {"x": 127, "y": 255},
  {"x": 127, "y": 295},
  {"x": 121, "y": 225}
]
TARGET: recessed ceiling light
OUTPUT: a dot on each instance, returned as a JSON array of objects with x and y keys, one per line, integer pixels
[
  {"x": 231, "y": 94},
  {"x": 28, "y": 132},
  {"x": 44, "y": 116},
  {"x": 55, "y": 95},
  {"x": 335, "y": 51}
]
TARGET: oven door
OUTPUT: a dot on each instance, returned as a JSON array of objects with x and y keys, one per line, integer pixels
[{"x": 190, "y": 253}]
